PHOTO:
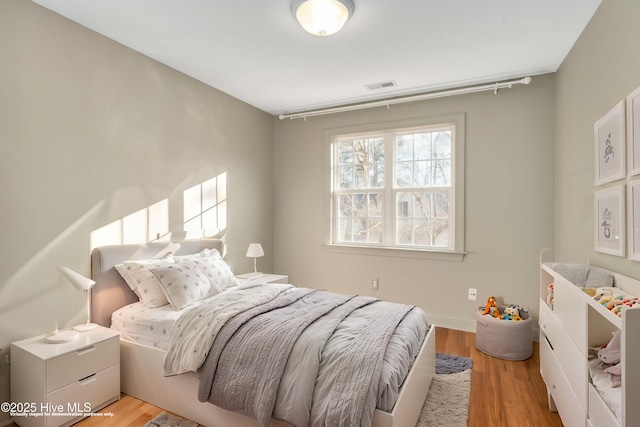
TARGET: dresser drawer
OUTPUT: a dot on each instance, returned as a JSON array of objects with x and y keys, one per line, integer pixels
[
  {"x": 566, "y": 402},
  {"x": 572, "y": 363},
  {"x": 81, "y": 363},
  {"x": 95, "y": 392}
]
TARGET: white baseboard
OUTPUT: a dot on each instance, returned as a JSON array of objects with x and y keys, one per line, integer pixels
[{"x": 452, "y": 323}]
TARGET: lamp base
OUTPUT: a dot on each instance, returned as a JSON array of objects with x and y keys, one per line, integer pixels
[
  {"x": 58, "y": 337},
  {"x": 85, "y": 327}
]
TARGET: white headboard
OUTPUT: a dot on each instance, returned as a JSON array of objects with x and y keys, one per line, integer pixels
[{"x": 111, "y": 292}]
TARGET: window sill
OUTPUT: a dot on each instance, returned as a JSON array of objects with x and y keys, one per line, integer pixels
[{"x": 386, "y": 251}]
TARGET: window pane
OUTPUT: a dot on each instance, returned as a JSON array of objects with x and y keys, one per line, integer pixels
[
  {"x": 345, "y": 152},
  {"x": 442, "y": 173},
  {"x": 404, "y": 231},
  {"x": 377, "y": 150},
  {"x": 422, "y": 205},
  {"x": 442, "y": 145},
  {"x": 359, "y": 179},
  {"x": 404, "y": 148},
  {"x": 375, "y": 205},
  {"x": 376, "y": 176},
  {"x": 441, "y": 233},
  {"x": 346, "y": 176},
  {"x": 359, "y": 205},
  {"x": 441, "y": 204},
  {"x": 360, "y": 163},
  {"x": 375, "y": 231},
  {"x": 422, "y": 146},
  {"x": 422, "y": 232},
  {"x": 404, "y": 174}
]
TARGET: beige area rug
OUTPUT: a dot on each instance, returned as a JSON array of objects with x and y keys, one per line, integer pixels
[
  {"x": 447, "y": 403},
  {"x": 168, "y": 420}
]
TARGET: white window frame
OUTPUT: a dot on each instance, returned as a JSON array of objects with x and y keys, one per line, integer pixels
[{"x": 456, "y": 251}]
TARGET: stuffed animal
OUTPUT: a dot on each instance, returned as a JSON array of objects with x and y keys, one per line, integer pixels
[
  {"x": 513, "y": 312},
  {"x": 492, "y": 308},
  {"x": 550, "y": 298},
  {"x": 491, "y": 302},
  {"x": 611, "y": 353},
  {"x": 608, "y": 291}
]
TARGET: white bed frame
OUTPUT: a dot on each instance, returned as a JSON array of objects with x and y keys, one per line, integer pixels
[{"x": 142, "y": 366}]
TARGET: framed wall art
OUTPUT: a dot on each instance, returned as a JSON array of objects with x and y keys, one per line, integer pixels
[
  {"x": 633, "y": 209},
  {"x": 609, "y": 221},
  {"x": 633, "y": 132},
  {"x": 610, "y": 145}
]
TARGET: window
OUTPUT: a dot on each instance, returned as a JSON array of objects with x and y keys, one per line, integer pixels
[{"x": 399, "y": 188}]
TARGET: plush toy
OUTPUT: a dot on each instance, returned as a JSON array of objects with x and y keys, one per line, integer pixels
[
  {"x": 550, "y": 298},
  {"x": 492, "y": 308},
  {"x": 608, "y": 291},
  {"x": 614, "y": 302},
  {"x": 513, "y": 312},
  {"x": 611, "y": 353},
  {"x": 491, "y": 302}
]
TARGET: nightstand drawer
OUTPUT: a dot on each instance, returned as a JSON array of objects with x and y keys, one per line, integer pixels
[
  {"x": 85, "y": 396},
  {"x": 81, "y": 363}
]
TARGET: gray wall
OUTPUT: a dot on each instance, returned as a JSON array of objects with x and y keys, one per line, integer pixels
[
  {"x": 509, "y": 206},
  {"x": 602, "y": 68},
  {"x": 90, "y": 132}
]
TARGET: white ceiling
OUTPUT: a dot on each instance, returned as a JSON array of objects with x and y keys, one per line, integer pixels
[{"x": 255, "y": 51}]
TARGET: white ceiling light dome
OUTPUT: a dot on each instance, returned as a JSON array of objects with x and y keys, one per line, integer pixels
[{"x": 322, "y": 17}]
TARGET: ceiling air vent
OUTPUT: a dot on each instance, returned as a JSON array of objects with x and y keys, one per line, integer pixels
[{"x": 373, "y": 86}]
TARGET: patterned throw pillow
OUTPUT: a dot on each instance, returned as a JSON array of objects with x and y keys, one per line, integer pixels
[
  {"x": 216, "y": 269},
  {"x": 184, "y": 284},
  {"x": 143, "y": 282}
]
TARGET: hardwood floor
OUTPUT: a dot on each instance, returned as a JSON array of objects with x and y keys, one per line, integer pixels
[{"x": 503, "y": 393}]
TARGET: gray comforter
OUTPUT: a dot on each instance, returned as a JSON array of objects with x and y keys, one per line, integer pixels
[{"x": 312, "y": 358}]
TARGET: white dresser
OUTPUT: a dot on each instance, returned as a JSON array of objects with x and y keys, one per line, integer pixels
[
  {"x": 57, "y": 384},
  {"x": 575, "y": 323}
]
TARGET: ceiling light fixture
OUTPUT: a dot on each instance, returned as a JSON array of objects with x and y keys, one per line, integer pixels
[{"x": 322, "y": 17}]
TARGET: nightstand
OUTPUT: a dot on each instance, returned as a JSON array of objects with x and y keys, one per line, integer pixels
[
  {"x": 59, "y": 384},
  {"x": 265, "y": 278}
]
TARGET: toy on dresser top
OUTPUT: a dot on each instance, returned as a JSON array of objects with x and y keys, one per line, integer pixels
[
  {"x": 510, "y": 312},
  {"x": 615, "y": 299}
]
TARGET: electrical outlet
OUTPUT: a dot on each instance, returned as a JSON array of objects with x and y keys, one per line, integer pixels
[
  {"x": 473, "y": 294},
  {"x": 375, "y": 284}
]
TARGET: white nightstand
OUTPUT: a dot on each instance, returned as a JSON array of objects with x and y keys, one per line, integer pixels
[
  {"x": 265, "y": 278},
  {"x": 67, "y": 381}
]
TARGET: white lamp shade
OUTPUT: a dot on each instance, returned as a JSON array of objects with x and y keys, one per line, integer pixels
[
  {"x": 80, "y": 282},
  {"x": 255, "y": 250},
  {"x": 83, "y": 284},
  {"x": 322, "y": 17}
]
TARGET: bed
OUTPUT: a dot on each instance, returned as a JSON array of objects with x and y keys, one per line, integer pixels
[{"x": 144, "y": 359}]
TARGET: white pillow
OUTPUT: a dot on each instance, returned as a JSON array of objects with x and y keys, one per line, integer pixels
[
  {"x": 183, "y": 284},
  {"x": 143, "y": 282},
  {"x": 216, "y": 269}
]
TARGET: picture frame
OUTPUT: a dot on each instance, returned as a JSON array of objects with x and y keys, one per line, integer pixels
[
  {"x": 610, "y": 145},
  {"x": 633, "y": 132},
  {"x": 609, "y": 221},
  {"x": 633, "y": 206}
]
